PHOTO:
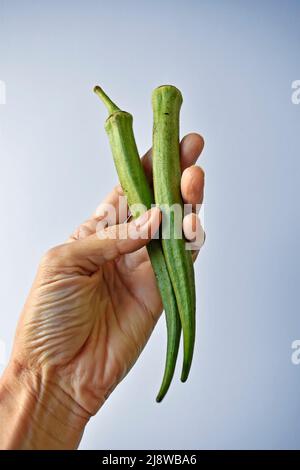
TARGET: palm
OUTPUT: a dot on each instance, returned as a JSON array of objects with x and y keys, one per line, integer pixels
[
  {"x": 98, "y": 330},
  {"x": 123, "y": 304}
]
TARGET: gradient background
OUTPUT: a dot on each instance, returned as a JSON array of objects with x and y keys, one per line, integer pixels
[{"x": 234, "y": 62}]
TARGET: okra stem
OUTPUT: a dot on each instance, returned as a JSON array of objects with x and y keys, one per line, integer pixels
[{"x": 110, "y": 105}]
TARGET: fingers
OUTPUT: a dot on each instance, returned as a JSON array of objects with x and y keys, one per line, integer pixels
[
  {"x": 113, "y": 199},
  {"x": 192, "y": 185},
  {"x": 191, "y": 147},
  {"x": 84, "y": 230},
  {"x": 194, "y": 233},
  {"x": 87, "y": 255},
  {"x": 192, "y": 190},
  {"x": 113, "y": 210}
]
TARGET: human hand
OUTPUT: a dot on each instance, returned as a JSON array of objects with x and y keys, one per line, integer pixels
[{"x": 95, "y": 302}]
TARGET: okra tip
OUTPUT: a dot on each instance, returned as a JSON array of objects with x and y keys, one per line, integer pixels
[
  {"x": 162, "y": 393},
  {"x": 170, "y": 91},
  {"x": 185, "y": 371},
  {"x": 110, "y": 105},
  {"x": 184, "y": 377}
]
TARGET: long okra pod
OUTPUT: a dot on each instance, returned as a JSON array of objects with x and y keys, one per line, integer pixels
[
  {"x": 136, "y": 187},
  {"x": 166, "y": 103}
]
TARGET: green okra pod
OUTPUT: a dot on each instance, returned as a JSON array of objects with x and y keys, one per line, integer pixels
[
  {"x": 137, "y": 189},
  {"x": 166, "y": 103}
]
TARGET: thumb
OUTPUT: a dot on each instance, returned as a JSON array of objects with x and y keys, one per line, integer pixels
[{"x": 88, "y": 254}]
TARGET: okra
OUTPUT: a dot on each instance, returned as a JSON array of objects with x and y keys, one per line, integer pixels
[
  {"x": 166, "y": 103},
  {"x": 137, "y": 189}
]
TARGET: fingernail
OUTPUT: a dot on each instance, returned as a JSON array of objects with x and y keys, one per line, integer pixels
[
  {"x": 142, "y": 219},
  {"x": 193, "y": 230},
  {"x": 143, "y": 226}
]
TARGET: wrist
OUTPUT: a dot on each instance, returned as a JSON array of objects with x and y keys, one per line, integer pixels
[{"x": 36, "y": 413}]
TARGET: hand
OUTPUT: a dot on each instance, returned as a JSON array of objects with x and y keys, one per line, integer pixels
[{"x": 94, "y": 302}]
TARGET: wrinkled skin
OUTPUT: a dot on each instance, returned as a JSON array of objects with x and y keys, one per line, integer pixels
[{"x": 94, "y": 303}]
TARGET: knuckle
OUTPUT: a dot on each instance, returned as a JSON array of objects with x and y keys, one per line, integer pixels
[
  {"x": 118, "y": 190},
  {"x": 53, "y": 255}
]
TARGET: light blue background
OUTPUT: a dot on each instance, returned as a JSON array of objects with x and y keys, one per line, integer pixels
[{"x": 234, "y": 62}]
